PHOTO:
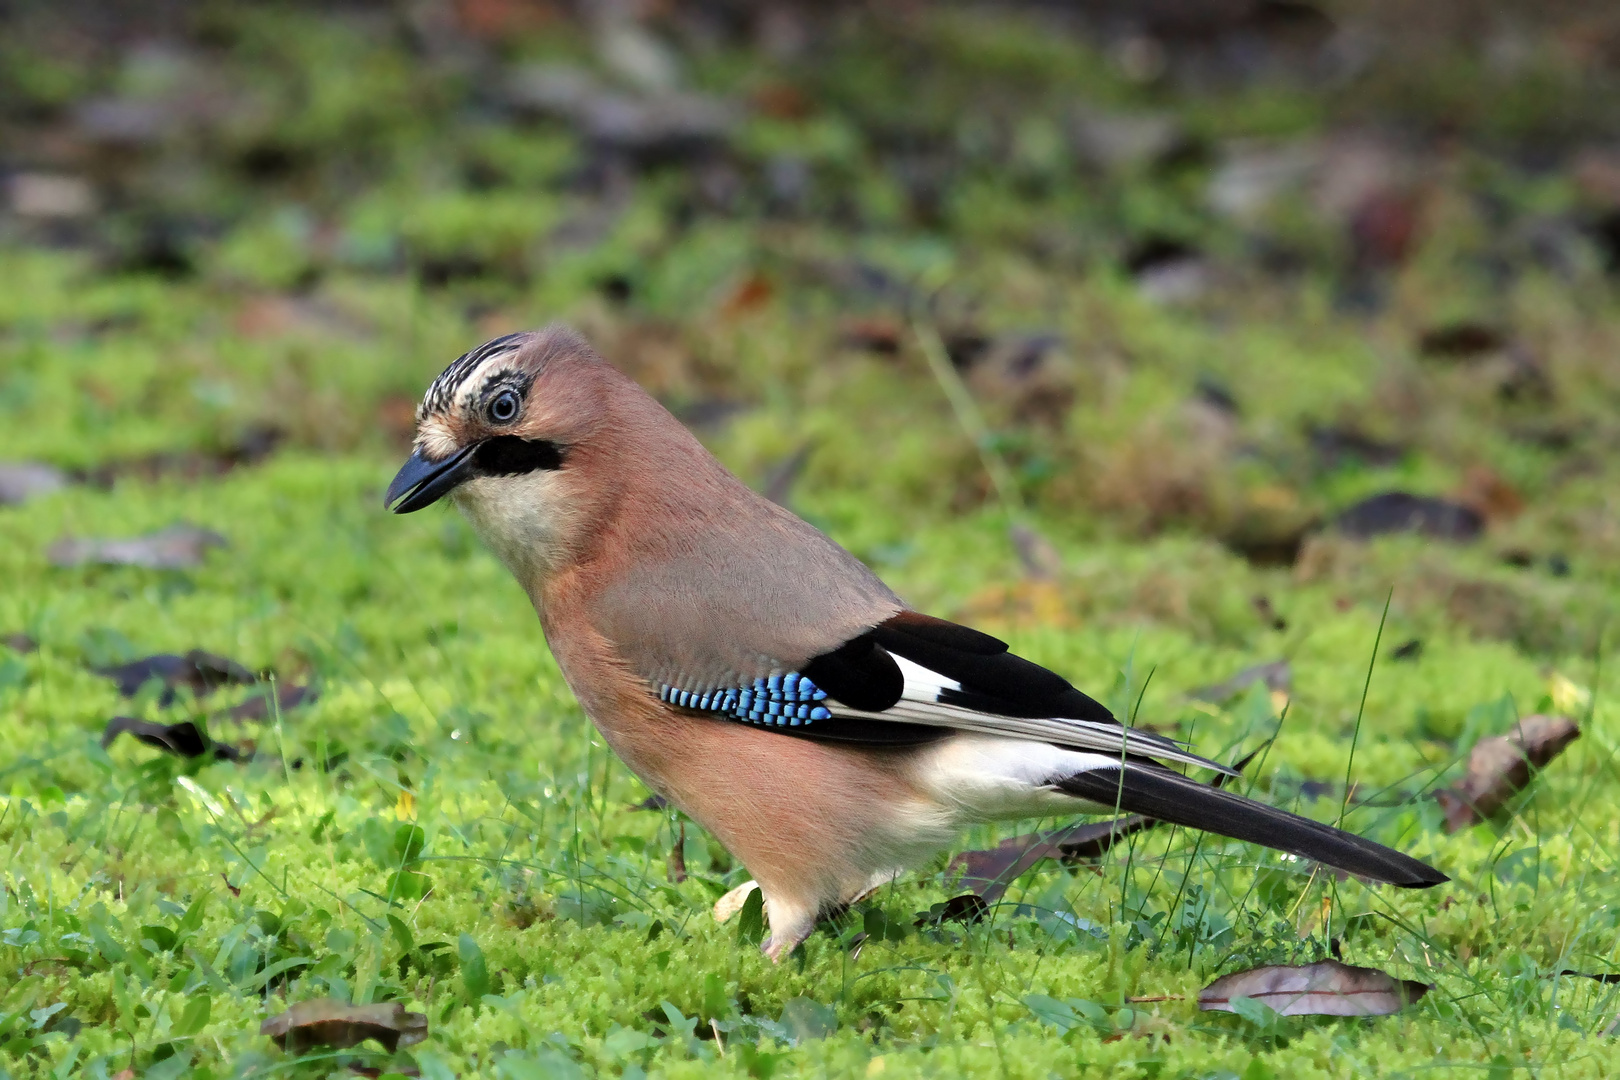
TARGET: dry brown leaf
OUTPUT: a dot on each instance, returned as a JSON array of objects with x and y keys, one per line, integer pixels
[
  {"x": 200, "y": 672},
  {"x": 175, "y": 548},
  {"x": 289, "y": 696},
  {"x": 988, "y": 873},
  {"x": 22, "y": 480},
  {"x": 675, "y": 864},
  {"x": 731, "y": 903},
  {"x": 326, "y": 1022},
  {"x": 1278, "y": 675},
  {"x": 1501, "y": 766},
  {"x": 1325, "y": 988},
  {"x": 1038, "y": 555},
  {"x": 1493, "y": 497},
  {"x": 184, "y": 738}
]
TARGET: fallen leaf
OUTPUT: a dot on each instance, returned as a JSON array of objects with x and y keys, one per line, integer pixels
[
  {"x": 1277, "y": 675},
  {"x": 1168, "y": 271},
  {"x": 1253, "y": 173},
  {"x": 873, "y": 333},
  {"x": 1039, "y": 556},
  {"x": 779, "y": 479},
  {"x": 1597, "y": 976},
  {"x": 675, "y": 864},
  {"x": 1596, "y": 171},
  {"x": 1461, "y": 341},
  {"x": 254, "y": 445},
  {"x": 1385, "y": 229},
  {"x": 178, "y": 547},
  {"x": 965, "y": 908},
  {"x": 1492, "y": 497},
  {"x": 781, "y": 100},
  {"x": 22, "y": 480},
  {"x": 288, "y": 697},
  {"x": 1502, "y": 765},
  {"x": 1215, "y": 394},
  {"x": 391, "y": 1069},
  {"x": 1268, "y": 613},
  {"x": 1269, "y": 526},
  {"x": 494, "y": 19},
  {"x": 1336, "y": 447},
  {"x": 1122, "y": 141},
  {"x": 201, "y": 672},
  {"x": 733, "y": 901},
  {"x": 660, "y": 126},
  {"x": 274, "y": 315},
  {"x": 1399, "y": 511},
  {"x": 1325, "y": 988},
  {"x": 1407, "y": 650},
  {"x": 326, "y": 1022},
  {"x": 1029, "y": 378},
  {"x": 184, "y": 738},
  {"x": 988, "y": 873},
  {"x": 747, "y": 295}
]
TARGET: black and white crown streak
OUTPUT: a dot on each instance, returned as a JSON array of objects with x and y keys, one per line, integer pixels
[{"x": 443, "y": 391}]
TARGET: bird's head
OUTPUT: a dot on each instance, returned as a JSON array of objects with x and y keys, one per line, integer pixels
[{"x": 497, "y": 431}]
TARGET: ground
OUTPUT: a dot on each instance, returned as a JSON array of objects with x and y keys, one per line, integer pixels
[{"x": 1109, "y": 404}]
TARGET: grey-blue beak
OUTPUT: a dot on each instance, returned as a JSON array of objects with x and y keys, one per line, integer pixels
[{"x": 422, "y": 482}]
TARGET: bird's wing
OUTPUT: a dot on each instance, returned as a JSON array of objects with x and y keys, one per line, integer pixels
[{"x": 912, "y": 678}]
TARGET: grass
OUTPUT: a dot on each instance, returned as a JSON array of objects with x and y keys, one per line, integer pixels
[{"x": 443, "y": 828}]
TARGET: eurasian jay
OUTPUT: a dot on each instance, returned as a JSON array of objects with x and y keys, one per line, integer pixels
[{"x": 762, "y": 678}]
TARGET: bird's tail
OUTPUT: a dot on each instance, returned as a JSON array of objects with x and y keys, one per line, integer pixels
[{"x": 1168, "y": 796}]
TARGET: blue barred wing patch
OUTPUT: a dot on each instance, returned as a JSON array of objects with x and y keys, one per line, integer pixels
[{"x": 789, "y": 700}]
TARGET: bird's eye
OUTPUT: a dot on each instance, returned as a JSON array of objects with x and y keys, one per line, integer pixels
[{"x": 504, "y": 409}]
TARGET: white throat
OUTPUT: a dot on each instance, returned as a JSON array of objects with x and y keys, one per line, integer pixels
[{"x": 523, "y": 519}]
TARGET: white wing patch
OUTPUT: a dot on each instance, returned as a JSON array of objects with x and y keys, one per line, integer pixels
[
  {"x": 919, "y": 704},
  {"x": 921, "y": 683},
  {"x": 982, "y": 778}
]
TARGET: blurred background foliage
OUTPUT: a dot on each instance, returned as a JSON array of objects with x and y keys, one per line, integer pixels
[{"x": 1210, "y": 269}]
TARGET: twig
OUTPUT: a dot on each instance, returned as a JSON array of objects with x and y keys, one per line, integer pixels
[
  {"x": 968, "y": 415},
  {"x": 1355, "y": 736}
]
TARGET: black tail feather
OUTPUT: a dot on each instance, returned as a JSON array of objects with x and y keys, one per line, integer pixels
[{"x": 1168, "y": 796}]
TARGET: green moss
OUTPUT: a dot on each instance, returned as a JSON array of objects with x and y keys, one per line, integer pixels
[{"x": 405, "y": 224}]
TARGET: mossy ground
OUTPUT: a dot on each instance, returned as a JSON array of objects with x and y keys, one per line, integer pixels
[{"x": 136, "y": 885}]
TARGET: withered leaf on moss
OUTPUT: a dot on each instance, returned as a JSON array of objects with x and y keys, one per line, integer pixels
[
  {"x": 185, "y": 738},
  {"x": 1502, "y": 765},
  {"x": 327, "y": 1022},
  {"x": 1325, "y": 988},
  {"x": 201, "y": 672},
  {"x": 178, "y": 547}
]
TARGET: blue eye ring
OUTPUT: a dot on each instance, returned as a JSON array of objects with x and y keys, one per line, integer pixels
[{"x": 505, "y": 406}]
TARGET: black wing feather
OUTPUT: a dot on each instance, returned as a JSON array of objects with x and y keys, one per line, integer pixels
[
  {"x": 993, "y": 680},
  {"x": 1159, "y": 793},
  {"x": 859, "y": 674}
]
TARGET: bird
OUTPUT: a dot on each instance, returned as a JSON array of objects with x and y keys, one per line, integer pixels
[{"x": 760, "y": 677}]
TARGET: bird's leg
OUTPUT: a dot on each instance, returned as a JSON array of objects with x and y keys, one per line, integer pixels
[
  {"x": 790, "y": 922},
  {"x": 798, "y": 921}
]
